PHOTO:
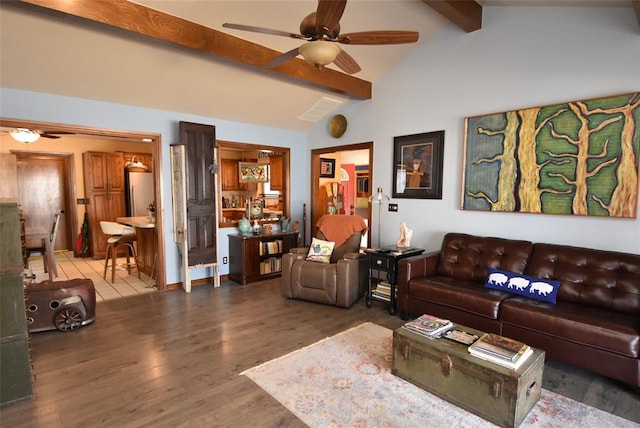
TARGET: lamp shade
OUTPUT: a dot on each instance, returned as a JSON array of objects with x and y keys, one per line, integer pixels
[
  {"x": 319, "y": 53},
  {"x": 24, "y": 135},
  {"x": 379, "y": 197}
]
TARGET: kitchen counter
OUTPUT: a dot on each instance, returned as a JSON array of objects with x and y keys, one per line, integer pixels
[
  {"x": 146, "y": 242},
  {"x": 141, "y": 222}
]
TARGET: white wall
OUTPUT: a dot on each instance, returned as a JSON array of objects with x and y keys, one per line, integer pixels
[
  {"x": 34, "y": 106},
  {"x": 522, "y": 57}
]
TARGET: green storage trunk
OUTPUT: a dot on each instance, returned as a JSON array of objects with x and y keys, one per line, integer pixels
[
  {"x": 446, "y": 369},
  {"x": 15, "y": 365}
]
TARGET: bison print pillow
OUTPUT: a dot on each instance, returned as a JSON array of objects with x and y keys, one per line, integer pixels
[{"x": 528, "y": 286}]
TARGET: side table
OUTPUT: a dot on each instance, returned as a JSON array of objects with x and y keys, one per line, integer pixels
[{"x": 386, "y": 260}]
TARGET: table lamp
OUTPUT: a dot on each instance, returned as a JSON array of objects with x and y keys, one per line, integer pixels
[{"x": 379, "y": 198}]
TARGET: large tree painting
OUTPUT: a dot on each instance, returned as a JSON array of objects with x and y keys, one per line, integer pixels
[{"x": 577, "y": 158}]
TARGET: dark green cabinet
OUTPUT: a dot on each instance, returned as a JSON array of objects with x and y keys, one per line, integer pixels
[{"x": 15, "y": 366}]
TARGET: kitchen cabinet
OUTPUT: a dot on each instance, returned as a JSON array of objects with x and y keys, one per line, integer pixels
[
  {"x": 276, "y": 179},
  {"x": 145, "y": 158},
  {"x": 231, "y": 175},
  {"x": 104, "y": 189},
  {"x": 257, "y": 257}
]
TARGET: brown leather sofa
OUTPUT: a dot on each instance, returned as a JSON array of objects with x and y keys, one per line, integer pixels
[
  {"x": 342, "y": 281},
  {"x": 594, "y": 324}
]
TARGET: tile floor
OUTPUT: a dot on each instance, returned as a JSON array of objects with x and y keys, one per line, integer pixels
[{"x": 70, "y": 267}]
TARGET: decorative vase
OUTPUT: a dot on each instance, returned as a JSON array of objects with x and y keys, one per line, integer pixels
[{"x": 244, "y": 226}]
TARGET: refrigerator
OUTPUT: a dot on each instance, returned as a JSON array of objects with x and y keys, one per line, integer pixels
[{"x": 139, "y": 192}]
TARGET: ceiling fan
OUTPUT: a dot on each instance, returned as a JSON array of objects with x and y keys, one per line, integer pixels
[
  {"x": 26, "y": 135},
  {"x": 321, "y": 30}
]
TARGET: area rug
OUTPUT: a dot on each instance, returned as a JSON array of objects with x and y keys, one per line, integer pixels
[{"x": 346, "y": 381}]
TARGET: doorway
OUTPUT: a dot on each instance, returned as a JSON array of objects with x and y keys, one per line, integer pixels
[
  {"x": 317, "y": 209},
  {"x": 51, "y": 171},
  {"x": 150, "y": 138}
]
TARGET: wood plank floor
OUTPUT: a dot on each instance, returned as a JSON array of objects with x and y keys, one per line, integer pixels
[{"x": 171, "y": 359}]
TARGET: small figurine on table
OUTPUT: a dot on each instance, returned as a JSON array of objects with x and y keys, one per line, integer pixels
[{"x": 405, "y": 236}]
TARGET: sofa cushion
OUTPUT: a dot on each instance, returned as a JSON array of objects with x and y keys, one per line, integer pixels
[
  {"x": 320, "y": 251},
  {"x": 468, "y": 257},
  {"x": 597, "y": 328},
  {"x": 468, "y": 296},
  {"x": 589, "y": 277},
  {"x": 544, "y": 290}
]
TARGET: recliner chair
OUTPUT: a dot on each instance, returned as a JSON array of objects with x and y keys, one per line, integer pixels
[{"x": 343, "y": 280}]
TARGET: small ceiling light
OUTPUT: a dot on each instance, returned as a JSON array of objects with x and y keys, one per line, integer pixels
[
  {"x": 319, "y": 53},
  {"x": 25, "y": 135}
]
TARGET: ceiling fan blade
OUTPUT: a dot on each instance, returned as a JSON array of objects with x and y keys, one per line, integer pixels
[
  {"x": 47, "y": 135},
  {"x": 379, "y": 37},
  {"x": 346, "y": 63},
  {"x": 282, "y": 58},
  {"x": 262, "y": 30},
  {"x": 329, "y": 13}
]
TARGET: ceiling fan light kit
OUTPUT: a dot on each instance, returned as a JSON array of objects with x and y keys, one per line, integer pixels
[
  {"x": 321, "y": 29},
  {"x": 319, "y": 53},
  {"x": 24, "y": 135}
]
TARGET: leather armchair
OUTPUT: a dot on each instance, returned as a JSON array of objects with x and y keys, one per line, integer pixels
[{"x": 342, "y": 281}]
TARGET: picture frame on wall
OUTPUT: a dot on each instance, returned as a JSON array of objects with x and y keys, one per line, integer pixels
[
  {"x": 327, "y": 168},
  {"x": 572, "y": 158},
  {"x": 417, "y": 165},
  {"x": 252, "y": 172}
]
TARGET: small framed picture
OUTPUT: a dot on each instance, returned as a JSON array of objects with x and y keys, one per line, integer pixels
[
  {"x": 417, "y": 166},
  {"x": 327, "y": 168}
]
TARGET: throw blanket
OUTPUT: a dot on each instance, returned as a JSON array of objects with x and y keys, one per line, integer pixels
[{"x": 340, "y": 227}]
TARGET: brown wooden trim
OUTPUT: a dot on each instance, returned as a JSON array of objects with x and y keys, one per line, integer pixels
[
  {"x": 161, "y": 275},
  {"x": 315, "y": 178},
  {"x": 636, "y": 8},
  {"x": 152, "y": 23},
  {"x": 286, "y": 170},
  {"x": 466, "y": 14}
]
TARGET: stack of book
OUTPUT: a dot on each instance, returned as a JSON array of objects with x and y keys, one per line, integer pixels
[
  {"x": 500, "y": 350},
  {"x": 382, "y": 291},
  {"x": 429, "y": 326}
]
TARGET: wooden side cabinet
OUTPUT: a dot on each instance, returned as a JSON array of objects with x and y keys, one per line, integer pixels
[
  {"x": 104, "y": 188},
  {"x": 258, "y": 257}
]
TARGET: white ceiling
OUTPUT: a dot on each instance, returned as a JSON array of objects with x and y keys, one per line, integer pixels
[{"x": 47, "y": 52}]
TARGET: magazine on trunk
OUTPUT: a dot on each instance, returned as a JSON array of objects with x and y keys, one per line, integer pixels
[{"x": 429, "y": 326}]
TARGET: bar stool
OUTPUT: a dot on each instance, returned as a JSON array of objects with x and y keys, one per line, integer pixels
[{"x": 121, "y": 236}]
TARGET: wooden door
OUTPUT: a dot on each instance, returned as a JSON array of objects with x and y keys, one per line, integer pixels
[
  {"x": 201, "y": 225},
  {"x": 42, "y": 189}
]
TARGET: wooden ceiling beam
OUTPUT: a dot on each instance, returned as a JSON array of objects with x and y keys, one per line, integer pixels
[
  {"x": 466, "y": 14},
  {"x": 152, "y": 23},
  {"x": 636, "y": 7}
]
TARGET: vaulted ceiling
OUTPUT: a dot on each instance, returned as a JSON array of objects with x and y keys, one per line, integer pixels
[{"x": 175, "y": 55}]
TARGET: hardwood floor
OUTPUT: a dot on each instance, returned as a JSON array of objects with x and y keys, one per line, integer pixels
[{"x": 171, "y": 359}]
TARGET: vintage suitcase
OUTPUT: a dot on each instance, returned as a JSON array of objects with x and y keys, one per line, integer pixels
[{"x": 445, "y": 368}]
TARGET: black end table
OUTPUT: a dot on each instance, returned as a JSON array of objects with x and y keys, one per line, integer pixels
[{"x": 386, "y": 260}]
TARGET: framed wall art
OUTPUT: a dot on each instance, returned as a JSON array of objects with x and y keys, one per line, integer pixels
[
  {"x": 573, "y": 158},
  {"x": 417, "y": 165},
  {"x": 252, "y": 172},
  {"x": 327, "y": 168}
]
